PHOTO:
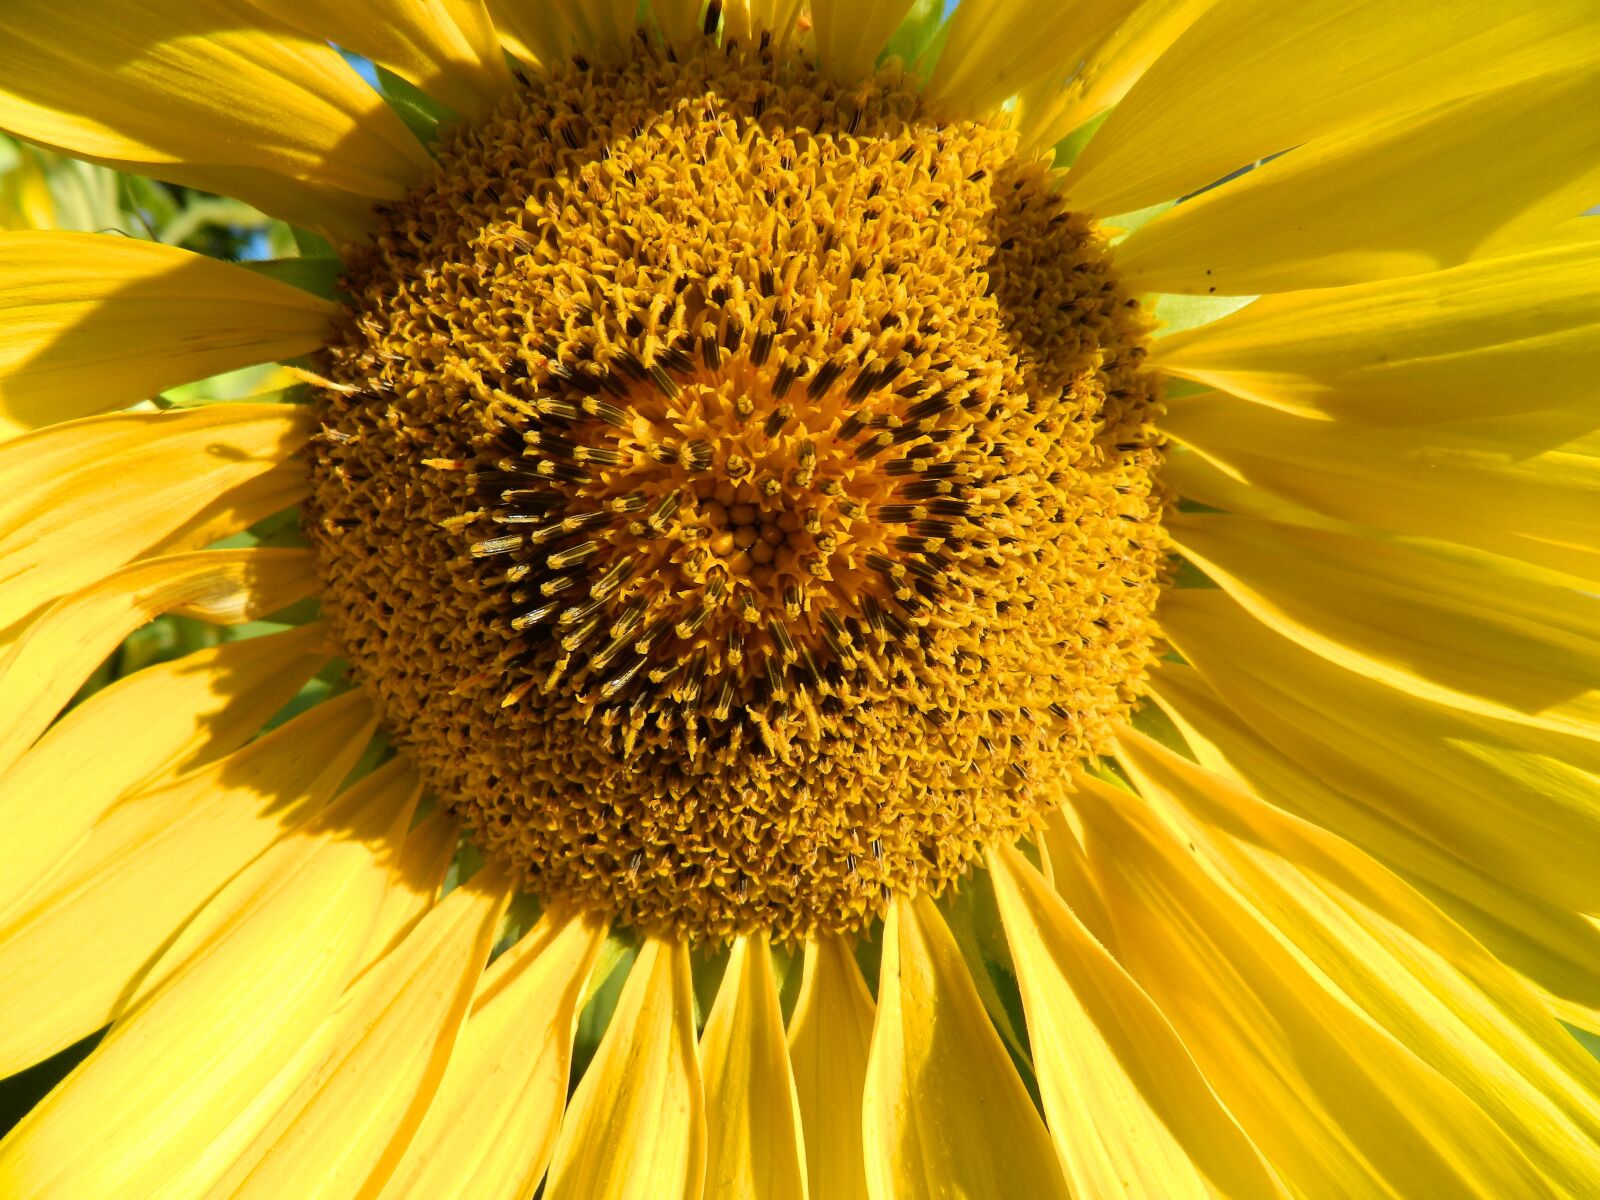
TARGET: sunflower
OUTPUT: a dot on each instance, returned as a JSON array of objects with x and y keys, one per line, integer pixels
[{"x": 857, "y": 624}]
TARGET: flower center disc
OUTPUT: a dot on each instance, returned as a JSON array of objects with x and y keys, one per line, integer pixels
[{"x": 740, "y": 497}]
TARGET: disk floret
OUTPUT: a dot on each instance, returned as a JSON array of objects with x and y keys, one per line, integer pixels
[{"x": 738, "y": 489}]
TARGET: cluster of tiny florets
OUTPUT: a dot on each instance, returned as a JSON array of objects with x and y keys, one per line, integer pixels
[{"x": 737, "y": 489}]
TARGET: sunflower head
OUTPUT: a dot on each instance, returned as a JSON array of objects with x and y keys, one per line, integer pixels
[
  {"x": 739, "y": 487},
  {"x": 729, "y": 495}
]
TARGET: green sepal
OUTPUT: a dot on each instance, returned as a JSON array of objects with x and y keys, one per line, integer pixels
[
  {"x": 1177, "y": 312},
  {"x": 319, "y": 276},
  {"x": 920, "y": 36},
  {"x": 973, "y": 915},
  {"x": 421, "y": 113},
  {"x": 605, "y": 983},
  {"x": 1066, "y": 151}
]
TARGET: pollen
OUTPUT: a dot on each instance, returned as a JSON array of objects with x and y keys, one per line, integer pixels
[{"x": 739, "y": 494}]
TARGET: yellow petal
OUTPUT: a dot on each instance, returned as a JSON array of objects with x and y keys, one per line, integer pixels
[
  {"x": 680, "y": 20},
  {"x": 102, "y": 918},
  {"x": 1109, "y": 70},
  {"x": 1460, "y": 628},
  {"x": 780, "y": 18},
  {"x": 830, "y": 1035},
  {"x": 1398, "y": 958},
  {"x": 210, "y": 93},
  {"x": 1408, "y": 195},
  {"x": 426, "y": 857},
  {"x": 1337, "y": 1105},
  {"x": 539, "y": 36},
  {"x": 636, "y": 1128},
  {"x": 56, "y": 653},
  {"x": 492, "y": 1124},
  {"x": 596, "y": 26},
  {"x": 1498, "y": 829},
  {"x": 945, "y": 1113},
  {"x": 380, "y": 1055},
  {"x": 1513, "y": 799},
  {"x": 1551, "y": 946},
  {"x": 738, "y": 22},
  {"x": 81, "y": 499},
  {"x": 446, "y": 47},
  {"x": 1507, "y": 334},
  {"x": 753, "y": 1147},
  {"x": 247, "y": 982},
  {"x": 1130, "y": 1112},
  {"x": 1061, "y": 854},
  {"x": 1255, "y": 77},
  {"x": 95, "y": 322},
  {"x": 166, "y": 719},
  {"x": 1517, "y": 486},
  {"x": 997, "y": 49},
  {"x": 850, "y": 33}
]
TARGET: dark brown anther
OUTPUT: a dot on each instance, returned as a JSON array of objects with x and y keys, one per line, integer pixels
[
  {"x": 865, "y": 381},
  {"x": 662, "y": 513},
  {"x": 779, "y": 417},
  {"x": 600, "y": 457},
  {"x": 562, "y": 559},
  {"x": 691, "y": 624},
  {"x": 761, "y": 346},
  {"x": 873, "y": 446},
  {"x": 652, "y": 634},
  {"x": 497, "y": 545},
  {"x": 609, "y": 413},
  {"x": 935, "y": 404},
  {"x": 565, "y": 472},
  {"x": 784, "y": 380},
  {"x": 823, "y": 379},
  {"x": 628, "y": 619},
  {"x": 554, "y": 406},
  {"x": 697, "y": 456},
  {"x": 774, "y": 676},
  {"x": 615, "y": 576},
  {"x": 785, "y": 643},
  {"x": 667, "y": 385},
  {"x": 614, "y": 686},
  {"x": 724, "y": 704},
  {"x": 576, "y": 613}
]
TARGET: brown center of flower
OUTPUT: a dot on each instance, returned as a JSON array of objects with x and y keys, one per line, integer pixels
[{"x": 739, "y": 495}]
